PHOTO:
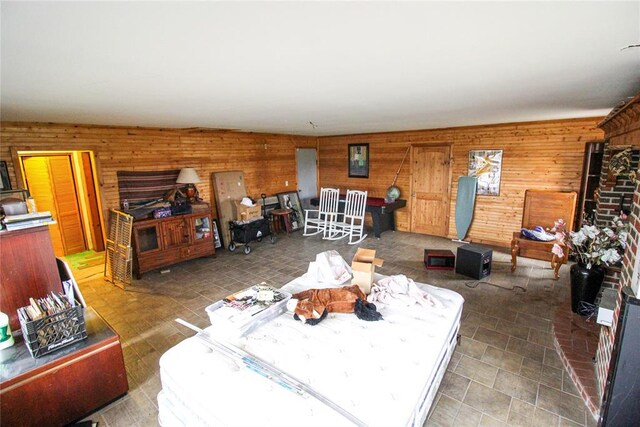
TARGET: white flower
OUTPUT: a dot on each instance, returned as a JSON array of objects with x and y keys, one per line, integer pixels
[
  {"x": 591, "y": 231},
  {"x": 578, "y": 238},
  {"x": 609, "y": 232},
  {"x": 622, "y": 238},
  {"x": 610, "y": 256}
]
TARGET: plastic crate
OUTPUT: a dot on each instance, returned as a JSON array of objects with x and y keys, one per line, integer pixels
[{"x": 46, "y": 335}]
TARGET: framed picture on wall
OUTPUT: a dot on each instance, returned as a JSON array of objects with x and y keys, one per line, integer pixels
[
  {"x": 291, "y": 200},
  {"x": 486, "y": 165},
  {"x": 5, "y": 182},
  {"x": 217, "y": 238},
  {"x": 358, "y": 160}
]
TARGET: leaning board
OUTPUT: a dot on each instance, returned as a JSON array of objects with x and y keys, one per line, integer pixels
[{"x": 228, "y": 186}]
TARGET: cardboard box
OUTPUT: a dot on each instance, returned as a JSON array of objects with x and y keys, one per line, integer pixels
[
  {"x": 247, "y": 213},
  {"x": 363, "y": 266}
]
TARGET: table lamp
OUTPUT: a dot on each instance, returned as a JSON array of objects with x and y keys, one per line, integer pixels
[{"x": 189, "y": 176}]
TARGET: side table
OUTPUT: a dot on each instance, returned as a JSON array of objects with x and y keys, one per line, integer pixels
[{"x": 280, "y": 216}]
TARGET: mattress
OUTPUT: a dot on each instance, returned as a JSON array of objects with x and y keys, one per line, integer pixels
[{"x": 384, "y": 373}]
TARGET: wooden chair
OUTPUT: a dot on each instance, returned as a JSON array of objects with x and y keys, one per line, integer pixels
[
  {"x": 543, "y": 208},
  {"x": 352, "y": 223},
  {"x": 317, "y": 220}
]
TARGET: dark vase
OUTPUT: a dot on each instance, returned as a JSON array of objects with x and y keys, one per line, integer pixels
[{"x": 585, "y": 285}]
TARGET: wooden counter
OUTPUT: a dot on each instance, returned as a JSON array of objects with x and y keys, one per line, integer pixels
[{"x": 63, "y": 386}]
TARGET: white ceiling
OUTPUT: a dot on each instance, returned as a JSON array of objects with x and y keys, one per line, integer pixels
[{"x": 347, "y": 67}]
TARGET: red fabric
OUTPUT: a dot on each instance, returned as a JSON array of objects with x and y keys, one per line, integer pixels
[
  {"x": 376, "y": 201},
  {"x": 371, "y": 201}
]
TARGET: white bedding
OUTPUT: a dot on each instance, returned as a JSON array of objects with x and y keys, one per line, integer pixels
[{"x": 385, "y": 373}]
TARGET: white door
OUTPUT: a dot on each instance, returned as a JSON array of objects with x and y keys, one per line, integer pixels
[{"x": 306, "y": 160}]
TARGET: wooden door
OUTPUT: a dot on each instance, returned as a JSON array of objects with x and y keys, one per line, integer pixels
[
  {"x": 430, "y": 190},
  {"x": 92, "y": 203},
  {"x": 66, "y": 198},
  {"x": 51, "y": 183},
  {"x": 36, "y": 172},
  {"x": 175, "y": 233}
]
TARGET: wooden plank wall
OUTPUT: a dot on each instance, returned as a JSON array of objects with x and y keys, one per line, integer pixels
[
  {"x": 537, "y": 155},
  {"x": 267, "y": 160}
]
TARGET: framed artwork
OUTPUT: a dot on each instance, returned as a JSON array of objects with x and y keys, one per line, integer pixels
[
  {"x": 358, "y": 160},
  {"x": 486, "y": 165},
  {"x": 5, "y": 182},
  {"x": 291, "y": 200},
  {"x": 217, "y": 239}
]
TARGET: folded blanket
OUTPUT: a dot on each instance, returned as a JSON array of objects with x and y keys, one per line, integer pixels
[{"x": 400, "y": 290}]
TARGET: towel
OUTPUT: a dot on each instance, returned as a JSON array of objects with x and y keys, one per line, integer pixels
[{"x": 402, "y": 291}]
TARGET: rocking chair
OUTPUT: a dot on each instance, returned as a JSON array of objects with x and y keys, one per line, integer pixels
[
  {"x": 317, "y": 220},
  {"x": 352, "y": 223}
]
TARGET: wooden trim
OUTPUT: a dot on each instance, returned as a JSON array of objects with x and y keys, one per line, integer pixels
[{"x": 620, "y": 110}]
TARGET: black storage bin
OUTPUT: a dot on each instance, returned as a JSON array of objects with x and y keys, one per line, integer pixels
[{"x": 243, "y": 233}]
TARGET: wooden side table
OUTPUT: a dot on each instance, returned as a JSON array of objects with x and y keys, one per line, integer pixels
[{"x": 280, "y": 216}]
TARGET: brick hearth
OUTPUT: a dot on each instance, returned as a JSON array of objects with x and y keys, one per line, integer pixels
[{"x": 576, "y": 341}]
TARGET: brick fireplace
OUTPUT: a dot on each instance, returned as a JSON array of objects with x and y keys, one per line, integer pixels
[
  {"x": 622, "y": 130},
  {"x": 585, "y": 347}
]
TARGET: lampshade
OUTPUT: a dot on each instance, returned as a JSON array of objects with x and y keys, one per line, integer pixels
[{"x": 188, "y": 176}]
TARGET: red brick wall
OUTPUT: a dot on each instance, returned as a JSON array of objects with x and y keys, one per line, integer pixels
[{"x": 617, "y": 280}]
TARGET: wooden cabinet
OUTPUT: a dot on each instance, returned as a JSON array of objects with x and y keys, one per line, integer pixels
[
  {"x": 27, "y": 269},
  {"x": 166, "y": 241},
  {"x": 63, "y": 386}
]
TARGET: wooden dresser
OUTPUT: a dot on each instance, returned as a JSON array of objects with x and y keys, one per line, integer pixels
[
  {"x": 165, "y": 241},
  {"x": 67, "y": 384}
]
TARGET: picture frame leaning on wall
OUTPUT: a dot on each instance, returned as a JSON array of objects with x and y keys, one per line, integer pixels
[{"x": 291, "y": 200}]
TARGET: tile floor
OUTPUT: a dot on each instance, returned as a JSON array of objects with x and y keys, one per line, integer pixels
[{"x": 505, "y": 370}]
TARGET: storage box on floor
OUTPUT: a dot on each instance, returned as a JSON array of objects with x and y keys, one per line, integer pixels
[
  {"x": 246, "y": 213},
  {"x": 363, "y": 266}
]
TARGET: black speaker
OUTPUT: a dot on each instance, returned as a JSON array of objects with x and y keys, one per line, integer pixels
[{"x": 474, "y": 261}]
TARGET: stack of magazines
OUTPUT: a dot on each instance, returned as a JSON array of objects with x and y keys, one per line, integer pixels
[
  {"x": 242, "y": 312},
  {"x": 28, "y": 220}
]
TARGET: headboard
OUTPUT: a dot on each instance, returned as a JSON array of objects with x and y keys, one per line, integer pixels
[{"x": 545, "y": 207}]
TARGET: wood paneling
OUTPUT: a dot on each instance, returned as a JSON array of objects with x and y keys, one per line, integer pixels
[
  {"x": 537, "y": 155},
  {"x": 267, "y": 160}
]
